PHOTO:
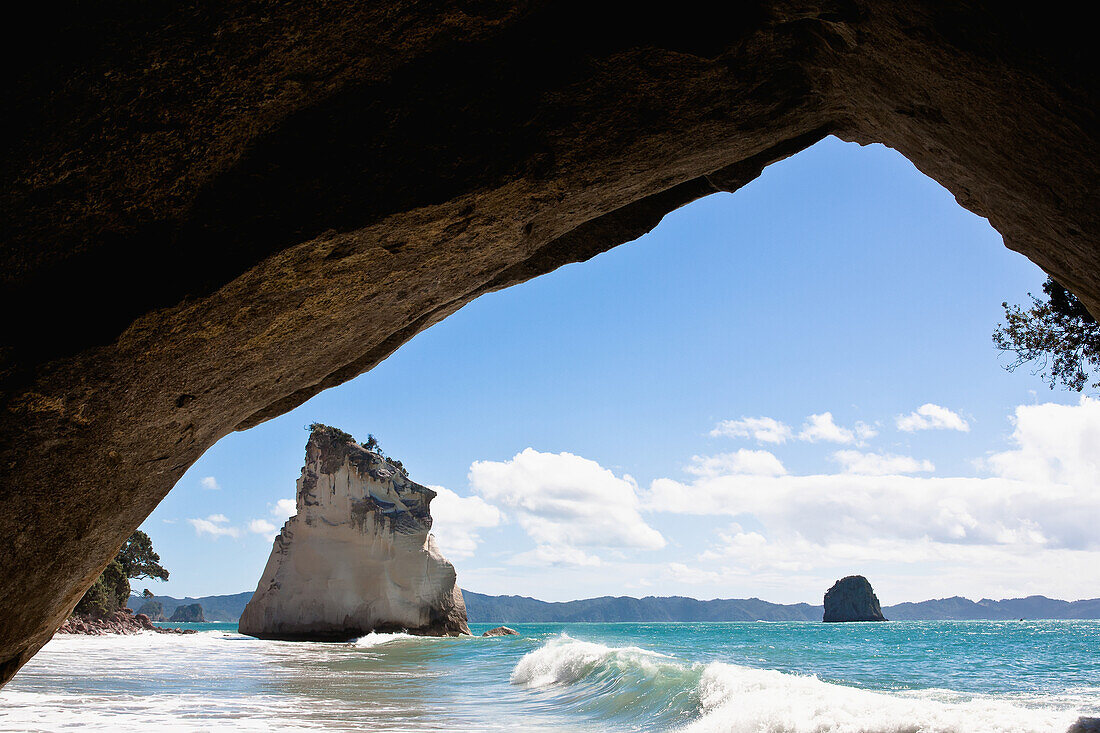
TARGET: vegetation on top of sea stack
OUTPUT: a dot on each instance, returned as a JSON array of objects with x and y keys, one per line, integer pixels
[
  {"x": 1058, "y": 334},
  {"x": 111, "y": 590},
  {"x": 336, "y": 434},
  {"x": 371, "y": 443}
]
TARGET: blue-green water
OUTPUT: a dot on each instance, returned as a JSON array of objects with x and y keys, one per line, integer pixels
[{"x": 897, "y": 676}]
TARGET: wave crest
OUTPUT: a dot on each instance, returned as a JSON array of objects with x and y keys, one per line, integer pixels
[
  {"x": 375, "y": 639},
  {"x": 565, "y": 660},
  {"x": 630, "y": 682}
]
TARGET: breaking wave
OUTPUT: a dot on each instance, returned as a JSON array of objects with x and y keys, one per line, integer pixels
[
  {"x": 374, "y": 639},
  {"x": 631, "y": 683}
]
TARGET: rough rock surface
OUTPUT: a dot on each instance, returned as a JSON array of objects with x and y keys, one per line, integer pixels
[
  {"x": 852, "y": 599},
  {"x": 357, "y": 557},
  {"x": 191, "y": 614},
  {"x": 213, "y": 211},
  {"x": 120, "y": 622},
  {"x": 153, "y": 609},
  {"x": 501, "y": 631}
]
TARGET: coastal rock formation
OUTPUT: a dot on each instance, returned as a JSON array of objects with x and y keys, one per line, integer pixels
[
  {"x": 212, "y": 213},
  {"x": 852, "y": 599},
  {"x": 189, "y": 614},
  {"x": 501, "y": 631},
  {"x": 153, "y": 609},
  {"x": 357, "y": 557},
  {"x": 119, "y": 622}
]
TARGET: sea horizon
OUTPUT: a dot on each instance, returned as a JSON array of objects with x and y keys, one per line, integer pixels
[{"x": 488, "y": 608}]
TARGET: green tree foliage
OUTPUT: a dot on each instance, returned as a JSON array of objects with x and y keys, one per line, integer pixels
[
  {"x": 1058, "y": 335},
  {"x": 138, "y": 559},
  {"x": 371, "y": 443},
  {"x": 336, "y": 434},
  {"x": 111, "y": 589}
]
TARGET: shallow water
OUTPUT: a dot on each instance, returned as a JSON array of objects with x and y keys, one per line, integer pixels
[{"x": 898, "y": 676}]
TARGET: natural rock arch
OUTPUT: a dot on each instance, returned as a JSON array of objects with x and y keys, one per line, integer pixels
[{"x": 215, "y": 210}]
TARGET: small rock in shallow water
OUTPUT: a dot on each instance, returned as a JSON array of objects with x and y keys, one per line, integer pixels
[{"x": 501, "y": 631}]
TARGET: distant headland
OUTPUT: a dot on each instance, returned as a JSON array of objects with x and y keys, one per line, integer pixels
[{"x": 481, "y": 608}]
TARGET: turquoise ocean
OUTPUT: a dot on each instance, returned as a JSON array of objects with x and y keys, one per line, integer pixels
[{"x": 897, "y": 677}]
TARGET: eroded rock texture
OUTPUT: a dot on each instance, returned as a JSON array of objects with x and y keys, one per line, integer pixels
[
  {"x": 214, "y": 210},
  {"x": 852, "y": 599},
  {"x": 357, "y": 556}
]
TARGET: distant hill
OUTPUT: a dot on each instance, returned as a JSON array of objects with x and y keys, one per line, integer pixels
[
  {"x": 517, "y": 609},
  {"x": 214, "y": 608},
  {"x": 481, "y": 608},
  {"x": 958, "y": 608}
]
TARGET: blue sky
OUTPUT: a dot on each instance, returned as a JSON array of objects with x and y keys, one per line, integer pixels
[{"x": 842, "y": 281}]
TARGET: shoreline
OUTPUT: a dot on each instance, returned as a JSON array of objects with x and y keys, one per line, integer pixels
[{"x": 120, "y": 623}]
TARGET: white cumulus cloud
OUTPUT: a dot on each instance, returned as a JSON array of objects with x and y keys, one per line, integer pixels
[
  {"x": 555, "y": 556},
  {"x": 931, "y": 417},
  {"x": 832, "y": 507},
  {"x": 262, "y": 526},
  {"x": 823, "y": 428},
  {"x": 760, "y": 429},
  {"x": 564, "y": 501},
  {"x": 880, "y": 464},
  {"x": 215, "y": 525},
  {"x": 456, "y": 520},
  {"x": 756, "y": 462},
  {"x": 209, "y": 483},
  {"x": 1041, "y": 495},
  {"x": 1054, "y": 444},
  {"x": 284, "y": 509}
]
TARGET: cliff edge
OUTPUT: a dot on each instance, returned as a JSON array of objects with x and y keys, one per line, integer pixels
[
  {"x": 357, "y": 556},
  {"x": 852, "y": 599}
]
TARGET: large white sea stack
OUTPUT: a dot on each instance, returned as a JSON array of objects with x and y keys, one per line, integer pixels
[{"x": 357, "y": 557}]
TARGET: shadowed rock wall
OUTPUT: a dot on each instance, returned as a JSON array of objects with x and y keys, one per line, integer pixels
[{"x": 214, "y": 210}]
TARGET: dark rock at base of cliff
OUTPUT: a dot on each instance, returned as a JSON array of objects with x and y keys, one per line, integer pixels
[
  {"x": 189, "y": 614},
  {"x": 1085, "y": 725},
  {"x": 852, "y": 599},
  {"x": 501, "y": 631},
  {"x": 119, "y": 622}
]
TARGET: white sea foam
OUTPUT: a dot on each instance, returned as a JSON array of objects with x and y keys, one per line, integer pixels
[
  {"x": 739, "y": 699},
  {"x": 33, "y": 711},
  {"x": 374, "y": 639}
]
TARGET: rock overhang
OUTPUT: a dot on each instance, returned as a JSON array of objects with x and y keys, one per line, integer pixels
[{"x": 213, "y": 214}]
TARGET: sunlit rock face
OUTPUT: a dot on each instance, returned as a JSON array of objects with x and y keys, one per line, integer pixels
[{"x": 357, "y": 556}]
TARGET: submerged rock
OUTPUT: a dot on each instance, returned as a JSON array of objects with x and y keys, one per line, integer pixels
[
  {"x": 189, "y": 614},
  {"x": 852, "y": 599},
  {"x": 501, "y": 631},
  {"x": 357, "y": 556}
]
